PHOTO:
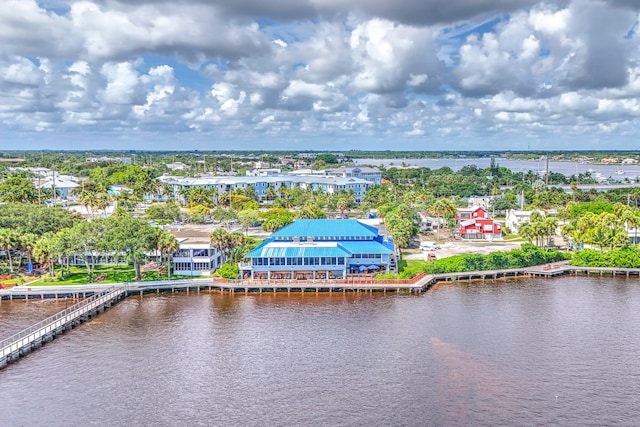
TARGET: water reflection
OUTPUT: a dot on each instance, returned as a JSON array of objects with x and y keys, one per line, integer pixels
[{"x": 493, "y": 353}]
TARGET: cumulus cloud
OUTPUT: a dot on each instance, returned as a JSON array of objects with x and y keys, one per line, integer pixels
[
  {"x": 388, "y": 57},
  {"x": 321, "y": 68}
]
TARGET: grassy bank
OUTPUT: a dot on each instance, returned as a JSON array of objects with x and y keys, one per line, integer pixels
[{"x": 106, "y": 274}]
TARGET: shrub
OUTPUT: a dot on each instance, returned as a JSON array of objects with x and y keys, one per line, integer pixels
[
  {"x": 528, "y": 255},
  {"x": 228, "y": 271},
  {"x": 628, "y": 257}
]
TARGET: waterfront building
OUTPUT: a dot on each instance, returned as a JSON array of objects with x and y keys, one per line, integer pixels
[
  {"x": 320, "y": 249},
  {"x": 195, "y": 256}
]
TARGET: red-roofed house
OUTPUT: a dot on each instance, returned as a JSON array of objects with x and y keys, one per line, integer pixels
[
  {"x": 479, "y": 228},
  {"x": 471, "y": 213},
  {"x": 474, "y": 223}
]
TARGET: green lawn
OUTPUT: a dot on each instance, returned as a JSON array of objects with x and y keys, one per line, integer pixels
[
  {"x": 513, "y": 238},
  {"x": 78, "y": 276}
]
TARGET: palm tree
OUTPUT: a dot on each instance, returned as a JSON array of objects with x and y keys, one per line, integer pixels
[
  {"x": 527, "y": 232},
  {"x": 88, "y": 199},
  {"x": 27, "y": 242},
  {"x": 221, "y": 240},
  {"x": 270, "y": 194},
  {"x": 549, "y": 225},
  {"x": 167, "y": 244},
  {"x": 44, "y": 251},
  {"x": 9, "y": 240},
  {"x": 440, "y": 208}
]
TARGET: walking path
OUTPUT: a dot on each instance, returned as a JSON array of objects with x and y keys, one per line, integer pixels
[{"x": 357, "y": 284}]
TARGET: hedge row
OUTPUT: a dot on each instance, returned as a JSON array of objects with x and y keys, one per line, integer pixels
[
  {"x": 628, "y": 257},
  {"x": 527, "y": 256}
]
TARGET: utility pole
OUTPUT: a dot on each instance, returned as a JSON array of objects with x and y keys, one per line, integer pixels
[
  {"x": 53, "y": 186},
  {"x": 547, "y": 174}
]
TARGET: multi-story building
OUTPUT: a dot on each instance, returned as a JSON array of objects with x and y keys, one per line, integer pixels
[
  {"x": 320, "y": 249},
  {"x": 475, "y": 223},
  {"x": 222, "y": 184},
  {"x": 363, "y": 172},
  {"x": 196, "y": 256}
]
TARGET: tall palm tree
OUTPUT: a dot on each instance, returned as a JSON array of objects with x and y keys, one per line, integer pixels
[
  {"x": 44, "y": 251},
  {"x": 88, "y": 199},
  {"x": 27, "y": 242},
  {"x": 167, "y": 244},
  {"x": 440, "y": 208},
  {"x": 527, "y": 232},
  {"x": 9, "y": 240}
]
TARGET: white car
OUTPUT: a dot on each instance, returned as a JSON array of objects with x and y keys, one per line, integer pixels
[{"x": 429, "y": 246}]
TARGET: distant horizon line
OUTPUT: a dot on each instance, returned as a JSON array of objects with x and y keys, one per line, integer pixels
[{"x": 248, "y": 151}]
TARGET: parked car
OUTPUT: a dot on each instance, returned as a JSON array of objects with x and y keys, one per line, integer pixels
[
  {"x": 431, "y": 256},
  {"x": 429, "y": 246}
]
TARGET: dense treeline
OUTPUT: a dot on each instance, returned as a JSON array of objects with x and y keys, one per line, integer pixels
[{"x": 36, "y": 219}]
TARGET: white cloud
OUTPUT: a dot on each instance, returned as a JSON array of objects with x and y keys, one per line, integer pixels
[
  {"x": 321, "y": 68},
  {"x": 387, "y": 57}
]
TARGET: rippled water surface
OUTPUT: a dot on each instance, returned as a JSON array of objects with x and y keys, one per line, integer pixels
[{"x": 527, "y": 352}]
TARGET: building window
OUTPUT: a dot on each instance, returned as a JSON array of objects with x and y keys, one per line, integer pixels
[
  {"x": 201, "y": 266},
  {"x": 200, "y": 252},
  {"x": 182, "y": 253},
  {"x": 181, "y": 266}
]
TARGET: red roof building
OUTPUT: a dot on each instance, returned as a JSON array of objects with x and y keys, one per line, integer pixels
[
  {"x": 474, "y": 223},
  {"x": 471, "y": 213},
  {"x": 479, "y": 228}
]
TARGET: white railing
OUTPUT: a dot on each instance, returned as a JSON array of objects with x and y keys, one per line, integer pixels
[{"x": 34, "y": 332}]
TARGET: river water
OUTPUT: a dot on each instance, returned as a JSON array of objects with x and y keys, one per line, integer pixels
[
  {"x": 611, "y": 171},
  {"x": 519, "y": 352}
]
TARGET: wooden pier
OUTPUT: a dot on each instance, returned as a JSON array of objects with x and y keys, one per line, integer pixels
[{"x": 22, "y": 343}]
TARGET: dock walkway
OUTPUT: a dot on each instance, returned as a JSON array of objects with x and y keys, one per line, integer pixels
[{"x": 33, "y": 337}]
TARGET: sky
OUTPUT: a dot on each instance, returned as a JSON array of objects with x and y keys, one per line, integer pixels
[{"x": 319, "y": 74}]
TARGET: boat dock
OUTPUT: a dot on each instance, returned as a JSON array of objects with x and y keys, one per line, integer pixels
[{"x": 33, "y": 337}]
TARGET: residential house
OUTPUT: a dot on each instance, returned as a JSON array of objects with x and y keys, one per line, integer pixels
[
  {"x": 62, "y": 184},
  {"x": 479, "y": 228},
  {"x": 515, "y": 218},
  {"x": 196, "y": 256},
  {"x": 471, "y": 213},
  {"x": 475, "y": 223}
]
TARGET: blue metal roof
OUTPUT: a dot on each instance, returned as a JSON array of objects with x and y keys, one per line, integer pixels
[
  {"x": 295, "y": 250},
  {"x": 342, "y": 249},
  {"x": 326, "y": 228},
  {"x": 365, "y": 248}
]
